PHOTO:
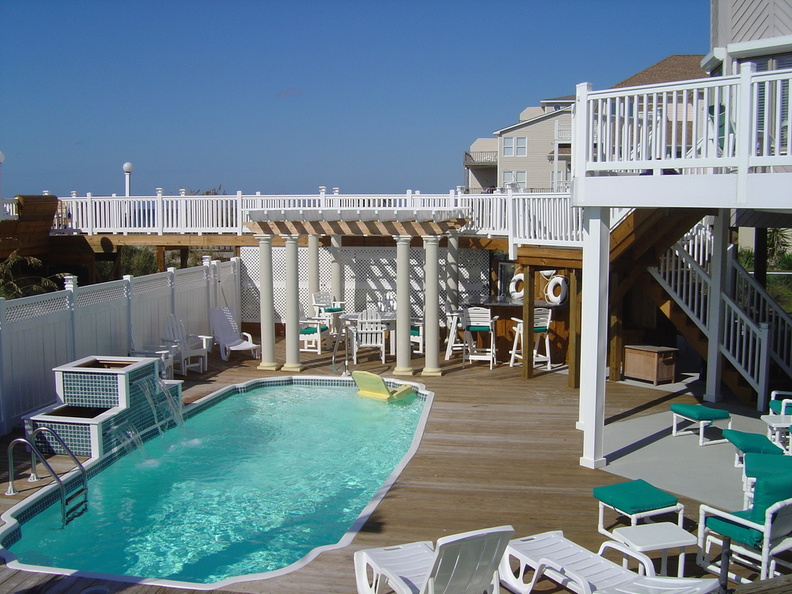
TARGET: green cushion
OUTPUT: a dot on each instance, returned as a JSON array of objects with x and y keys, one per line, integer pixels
[
  {"x": 775, "y": 406},
  {"x": 759, "y": 465},
  {"x": 312, "y": 330},
  {"x": 333, "y": 309},
  {"x": 540, "y": 328},
  {"x": 751, "y": 442},
  {"x": 737, "y": 532},
  {"x": 478, "y": 328},
  {"x": 699, "y": 412},
  {"x": 634, "y": 496},
  {"x": 767, "y": 491},
  {"x": 415, "y": 331}
]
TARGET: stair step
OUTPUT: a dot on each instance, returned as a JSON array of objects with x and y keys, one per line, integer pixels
[{"x": 79, "y": 492}]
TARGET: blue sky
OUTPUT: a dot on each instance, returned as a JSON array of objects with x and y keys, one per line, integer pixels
[{"x": 373, "y": 96}]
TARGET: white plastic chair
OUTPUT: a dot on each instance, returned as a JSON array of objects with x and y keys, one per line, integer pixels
[
  {"x": 758, "y": 535},
  {"x": 312, "y": 332},
  {"x": 191, "y": 349},
  {"x": 417, "y": 335},
  {"x": 460, "y": 564},
  {"x": 163, "y": 352},
  {"x": 577, "y": 569},
  {"x": 228, "y": 336},
  {"x": 368, "y": 332},
  {"x": 453, "y": 327},
  {"x": 479, "y": 320},
  {"x": 780, "y": 402},
  {"x": 542, "y": 317},
  {"x": 327, "y": 309}
]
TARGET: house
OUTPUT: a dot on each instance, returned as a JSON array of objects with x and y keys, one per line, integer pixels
[
  {"x": 726, "y": 140},
  {"x": 534, "y": 154}
]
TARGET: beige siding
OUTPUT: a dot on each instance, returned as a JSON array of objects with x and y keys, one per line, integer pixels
[
  {"x": 537, "y": 164},
  {"x": 734, "y": 21}
]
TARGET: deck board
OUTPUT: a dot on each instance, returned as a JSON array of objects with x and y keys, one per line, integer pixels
[{"x": 497, "y": 449}]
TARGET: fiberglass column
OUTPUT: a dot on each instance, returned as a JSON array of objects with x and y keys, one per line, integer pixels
[
  {"x": 337, "y": 288},
  {"x": 313, "y": 268},
  {"x": 292, "y": 307},
  {"x": 431, "y": 328},
  {"x": 403, "y": 311},
  {"x": 266, "y": 305},
  {"x": 452, "y": 271}
]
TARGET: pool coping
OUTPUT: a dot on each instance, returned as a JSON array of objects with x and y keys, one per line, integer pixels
[{"x": 46, "y": 496}]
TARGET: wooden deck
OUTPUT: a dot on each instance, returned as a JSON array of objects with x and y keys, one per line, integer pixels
[{"x": 497, "y": 450}]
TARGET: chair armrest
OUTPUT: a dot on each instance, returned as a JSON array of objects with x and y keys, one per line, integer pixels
[
  {"x": 626, "y": 551},
  {"x": 518, "y": 320},
  {"x": 545, "y": 564},
  {"x": 247, "y": 336},
  {"x": 494, "y": 318}
]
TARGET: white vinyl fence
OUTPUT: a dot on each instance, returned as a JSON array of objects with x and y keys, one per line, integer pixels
[{"x": 45, "y": 331}]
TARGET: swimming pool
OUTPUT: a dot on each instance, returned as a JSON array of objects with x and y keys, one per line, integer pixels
[{"x": 262, "y": 480}]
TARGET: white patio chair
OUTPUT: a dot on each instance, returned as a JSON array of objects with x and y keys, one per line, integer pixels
[
  {"x": 464, "y": 563},
  {"x": 453, "y": 327},
  {"x": 191, "y": 349},
  {"x": 780, "y": 402},
  {"x": 577, "y": 569},
  {"x": 417, "y": 335},
  {"x": 758, "y": 534},
  {"x": 327, "y": 309},
  {"x": 228, "y": 336},
  {"x": 542, "y": 317},
  {"x": 163, "y": 352},
  {"x": 479, "y": 320},
  {"x": 368, "y": 332},
  {"x": 312, "y": 332}
]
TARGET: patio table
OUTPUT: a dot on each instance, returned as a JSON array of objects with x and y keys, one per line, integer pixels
[
  {"x": 778, "y": 429},
  {"x": 659, "y": 536}
]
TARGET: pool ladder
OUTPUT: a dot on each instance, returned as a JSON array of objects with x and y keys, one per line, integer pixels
[{"x": 72, "y": 505}]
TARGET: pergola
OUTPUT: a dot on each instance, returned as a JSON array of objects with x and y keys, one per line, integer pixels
[{"x": 401, "y": 224}]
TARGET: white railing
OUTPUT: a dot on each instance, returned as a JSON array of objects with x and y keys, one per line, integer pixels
[
  {"x": 8, "y": 208},
  {"x": 524, "y": 218},
  {"x": 747, "y": 345},
  {"x": 687, "y": 281},
  {"x": 43, "y": 331},
  {"x": 733, "y": 123},
  {"x": 753, "y": 299}
]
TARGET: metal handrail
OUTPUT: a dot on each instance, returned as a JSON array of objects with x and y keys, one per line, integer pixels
[{"x": 33, "y": 463}]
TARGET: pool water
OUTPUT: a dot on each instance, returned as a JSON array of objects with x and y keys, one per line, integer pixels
[{"x": 251, "y": 485}]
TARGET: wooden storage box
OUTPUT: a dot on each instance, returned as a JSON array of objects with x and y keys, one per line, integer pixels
[{"x": 651, "y": 363}]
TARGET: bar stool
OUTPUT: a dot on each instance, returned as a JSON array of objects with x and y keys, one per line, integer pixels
[{"x": 542, "y": 317}]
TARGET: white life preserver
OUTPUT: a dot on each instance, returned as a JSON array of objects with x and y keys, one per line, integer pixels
[
  {"x": 550, "y": 290},
  {"x": 517, "y": 278}
]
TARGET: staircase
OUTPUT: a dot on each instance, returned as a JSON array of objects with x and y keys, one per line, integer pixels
[{"x": 754, "y": 331}]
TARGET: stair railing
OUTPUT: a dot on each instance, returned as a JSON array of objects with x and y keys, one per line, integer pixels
[
  {"x": 746, "y": 345},
  {"x": 754, "y": 300},
  {"x": 687, "y": 282}
]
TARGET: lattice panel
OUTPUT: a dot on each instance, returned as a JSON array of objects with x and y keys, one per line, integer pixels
[
  {"x": 36, "y": 308},
  {"x": 101, "y": 293},
  {"x": 368, "y": 273},
  {"x": 150, "y": 283}
]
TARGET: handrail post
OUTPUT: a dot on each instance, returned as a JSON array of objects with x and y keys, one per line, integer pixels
[
  {"x": 764, "y": 366},
  {"x": 90, "y": 213},
  {"x": 510, "y": 222},
  {"x": 580, "y": 143},
  {"x": 240, "y": 223},
  {"x": 745, "y": 130},
  {"x": 159, "y": 212}
]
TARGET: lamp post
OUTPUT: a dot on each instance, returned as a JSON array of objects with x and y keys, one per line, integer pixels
[{"x": 127, "y": 178}]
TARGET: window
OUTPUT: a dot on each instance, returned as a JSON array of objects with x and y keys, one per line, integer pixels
[
  {"x": 772, "y": 104},
  {"x": 518, "y": 178},
  {"x": 515, "y": 146}
]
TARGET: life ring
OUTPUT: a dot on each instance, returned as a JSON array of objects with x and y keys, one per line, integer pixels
[
  {"x": 517, "y": 278},
  {"x": 550, "y": 290}
]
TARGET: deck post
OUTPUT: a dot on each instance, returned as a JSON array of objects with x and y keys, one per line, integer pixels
[
  {"x": 718, "y": 274},
  {"x": 403, "y": 310},
  {"x": 266, "y": 305},
  {"x": 431, "y": 328},
  {"x": 452, "y": 270},
  {"x": 293, "y": 364},
  {"x": 594, "y": 332}
]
